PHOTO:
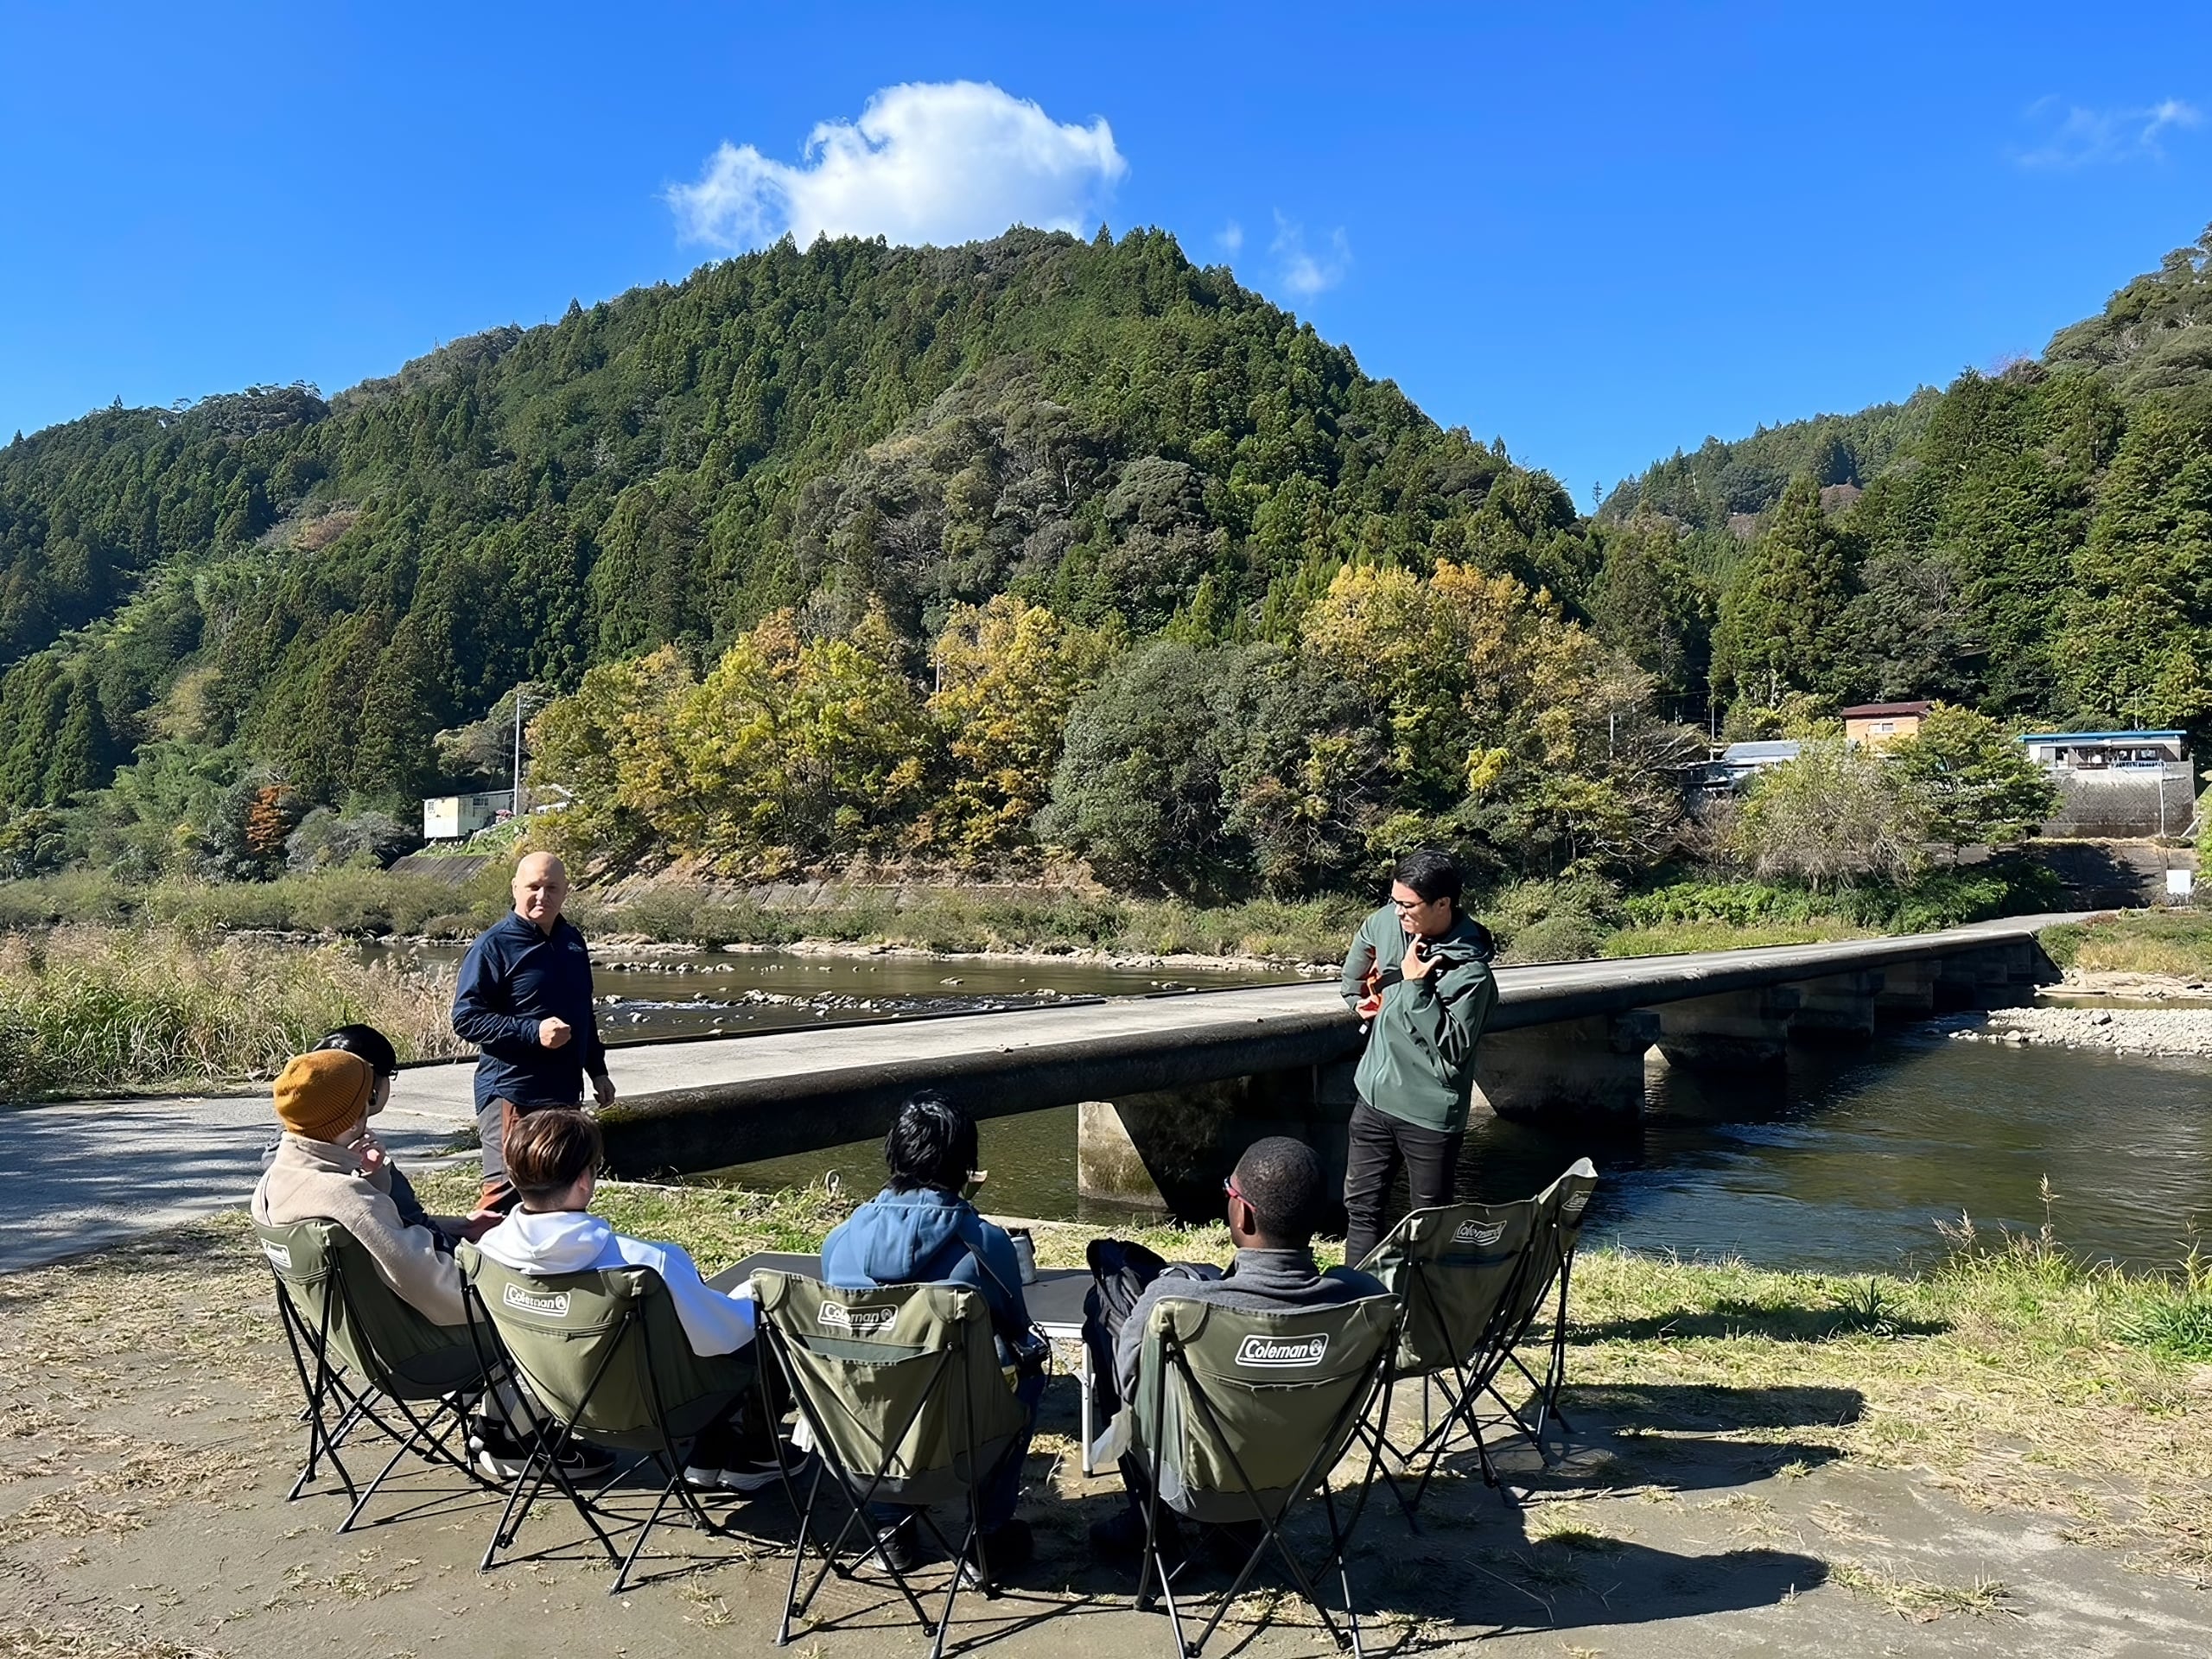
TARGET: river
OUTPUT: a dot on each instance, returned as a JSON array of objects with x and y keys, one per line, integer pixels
[{"x": 1847, "y": 1166}]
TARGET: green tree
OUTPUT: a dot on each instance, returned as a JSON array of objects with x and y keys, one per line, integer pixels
[
  {"x": 2136, "y": 647},
  {"x": 1782, "y": 613},
  {"x": 1970, "y": 783},
  {"x": 1834, "y": 816}
]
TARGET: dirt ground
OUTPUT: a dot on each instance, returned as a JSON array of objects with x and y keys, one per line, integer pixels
[{"x": 147, "y": 1440}]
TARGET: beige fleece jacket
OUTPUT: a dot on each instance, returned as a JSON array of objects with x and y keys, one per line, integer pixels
[{"x": 319, "y": 1181}]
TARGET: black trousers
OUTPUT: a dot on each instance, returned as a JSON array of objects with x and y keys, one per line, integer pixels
[{"x": 1379, "y": 1145}]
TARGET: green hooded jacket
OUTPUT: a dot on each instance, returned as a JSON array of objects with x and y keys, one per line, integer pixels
[{"x": 1419, "y": 1060}]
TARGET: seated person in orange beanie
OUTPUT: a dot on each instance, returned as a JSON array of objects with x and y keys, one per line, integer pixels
[{"x": 330, "y": 1167}]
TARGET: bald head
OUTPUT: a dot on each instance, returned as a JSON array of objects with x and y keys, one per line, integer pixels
[{"x": 540, "y": 888}]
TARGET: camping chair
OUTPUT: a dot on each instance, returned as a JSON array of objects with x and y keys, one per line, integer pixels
[
  {"x": 1237, "y": 1416},
  {"x": 904, "y": 1396},
  {"x": 601, "y": 1356},
  {"x": 1457, "y": 1269},
  {"x": 364, "y": 1354},
  {"x": 1560, "y": 1209}
]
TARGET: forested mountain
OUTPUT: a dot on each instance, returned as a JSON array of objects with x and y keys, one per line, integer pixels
[
  {"x": 2034, "y": 543},
  {"x": 307, "y": 591},
  {"x": 970, "y": 555}
]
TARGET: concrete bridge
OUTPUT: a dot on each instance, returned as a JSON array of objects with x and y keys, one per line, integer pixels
[{"x": 1172, "y": 1087}]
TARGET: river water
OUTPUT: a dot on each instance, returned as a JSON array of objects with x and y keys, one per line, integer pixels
[{"x": 1848, "y": 1165}]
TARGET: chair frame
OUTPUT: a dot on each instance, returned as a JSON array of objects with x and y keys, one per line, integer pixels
[
  {"x": 322, "y": 1381},
  {"x": 1344, "y": 1430},
  {"x": 1471, "y": 1371},
  {"x": 557, "y": 1431},
  {"x": 1479, "y": 1374},
  {"x": 860, "y": 1492}
]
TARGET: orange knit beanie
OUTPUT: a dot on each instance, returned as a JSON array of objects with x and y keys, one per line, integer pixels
[{"x": 320, "y": 1094}]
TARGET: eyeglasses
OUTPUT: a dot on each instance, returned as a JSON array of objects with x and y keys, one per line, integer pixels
[
  {"x": 1228, "y": 1185},
  {"x": 1412, "y": 904}
]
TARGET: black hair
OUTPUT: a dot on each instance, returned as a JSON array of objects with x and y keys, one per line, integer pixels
[
  {"x": 932, "y": 1144},
  {"x": 1432, "y": 873},
  {"x": 1280, "y": 1179},
  {"x": 369, "y": 1043}
]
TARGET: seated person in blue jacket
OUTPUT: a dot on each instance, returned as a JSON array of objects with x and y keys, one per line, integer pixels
[
  {"x": 1276, "y": 1197},
  {"x": 552, "y": 1158},
  {"x": 921, "y": 1229}
]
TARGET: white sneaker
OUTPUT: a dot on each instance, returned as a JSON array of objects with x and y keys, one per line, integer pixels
[{"x": 701, "y": 1479}]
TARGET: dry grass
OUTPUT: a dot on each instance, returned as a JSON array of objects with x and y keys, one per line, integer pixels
[
  {"x": 1918, "y": 1599},
  {"x": 2174, "y": 943},
  {"x": 87, "y": 1008}
]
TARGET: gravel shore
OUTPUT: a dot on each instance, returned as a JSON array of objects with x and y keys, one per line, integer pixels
[{"x": 2123, "y": 1031}]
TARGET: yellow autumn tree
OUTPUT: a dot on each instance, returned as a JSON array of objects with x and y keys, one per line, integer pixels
[
  {"x": 800, "y": 751},
  {"x": 611, "y": 745},
  {"x": 1007, "y": 674}
]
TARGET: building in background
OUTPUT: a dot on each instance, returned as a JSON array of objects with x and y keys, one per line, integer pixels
[
  {"x": 2118, "y": 785},
  {"x": 1876, "y": 724}
]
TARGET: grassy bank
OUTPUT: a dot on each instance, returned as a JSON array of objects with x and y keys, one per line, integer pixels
[
  {"x": 2173, "y": 942},
  {"x": 88, "y": 1009}
]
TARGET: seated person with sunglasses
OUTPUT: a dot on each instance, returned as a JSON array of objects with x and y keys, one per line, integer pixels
[
  {"x": 1277, "y": 1198},
  {"x": 921, "y": 1229},
  {"x": 371, "y": 1046}
]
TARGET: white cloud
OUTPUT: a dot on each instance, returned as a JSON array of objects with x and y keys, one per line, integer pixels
[
  {"x": 926, "y": 163},
  {"x": 2077, "y": 137},
  {"x": 1303, "y": 272},
  {"x": 1230, "y": 238}
]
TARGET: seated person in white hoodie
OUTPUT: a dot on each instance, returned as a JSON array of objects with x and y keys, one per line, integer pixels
[{"x": 552, "y": 1159}]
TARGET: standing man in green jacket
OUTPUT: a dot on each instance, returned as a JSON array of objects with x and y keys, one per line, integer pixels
[{"x": 1418, "y": 972}]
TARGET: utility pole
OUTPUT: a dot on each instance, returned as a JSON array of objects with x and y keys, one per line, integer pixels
[{"x": 515, "y": 811}]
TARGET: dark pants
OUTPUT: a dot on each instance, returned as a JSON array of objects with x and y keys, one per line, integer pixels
[{"x": 1379, "y": 1144}]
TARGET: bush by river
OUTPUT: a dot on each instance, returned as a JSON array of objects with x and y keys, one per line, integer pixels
[{"x": 87, "y": 1008}]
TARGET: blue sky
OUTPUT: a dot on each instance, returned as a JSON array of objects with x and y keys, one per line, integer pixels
[{"x": 1599, "y": 232}]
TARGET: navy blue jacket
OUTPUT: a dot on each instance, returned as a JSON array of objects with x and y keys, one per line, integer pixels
[
  {"x": 928, "y": 1238},
  {"x": 512, "y": 977}
]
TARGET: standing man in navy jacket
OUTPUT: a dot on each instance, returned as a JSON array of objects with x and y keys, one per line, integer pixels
[{"x": 525, "y": 999}]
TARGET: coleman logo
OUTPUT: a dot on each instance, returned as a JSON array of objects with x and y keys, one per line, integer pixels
[
  {"x": 279, "y": 1254},
  {"x": 857, "y": 1321},
  {"x": 1575, "y": 1203},
  {"x": 1276, "y": 1350},
  {"x": 555, "y": 1302},
  {"x": 1479, "y": 1232}
]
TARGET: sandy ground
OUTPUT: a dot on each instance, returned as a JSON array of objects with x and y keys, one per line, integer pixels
[{"x": 146, "y": 1441}]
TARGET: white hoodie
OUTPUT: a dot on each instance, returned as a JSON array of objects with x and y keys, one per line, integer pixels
[{"x": 575, "y": 1241}]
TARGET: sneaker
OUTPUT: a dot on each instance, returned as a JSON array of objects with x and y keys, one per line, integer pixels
[
  {"x": 1008, "y": 1548},
  {"x": 755, "y": 1474},
  {"x": 898, "y": 1548},
  {"x": 501, "y": 1456},
  {"x": 1120, "y": 1537}
]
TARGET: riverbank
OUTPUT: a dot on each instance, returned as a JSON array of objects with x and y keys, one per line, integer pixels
[
  {"x": 2009, "y": 1451},
  {"x": 2184, "y": 1032}
]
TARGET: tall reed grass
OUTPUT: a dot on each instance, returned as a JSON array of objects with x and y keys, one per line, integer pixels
[{"x": 86, "y": 1007}]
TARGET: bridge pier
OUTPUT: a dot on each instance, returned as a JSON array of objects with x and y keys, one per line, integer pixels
[
  {"x": 1908, "y": 989},
  {"x": 1841, "y": 1007},
  {"x": 1592, "y": 1066},
  {"x": 1737, "y": 1030},
  {"x": 1169, "y": 1149}
]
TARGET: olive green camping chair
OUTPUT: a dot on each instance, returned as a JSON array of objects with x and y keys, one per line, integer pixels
[
  {"x": 1237, "y": 1416},
  {"x": 364, "y": 1354},
  {"x": 1457, "y": 1269},
  {"x": 601, "y": 1356},
  {"x": 906, "y": 1401},
  {"x": 1560, "y": 1209}
]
